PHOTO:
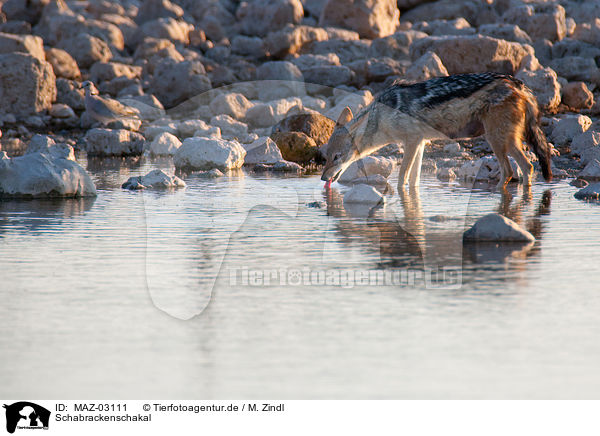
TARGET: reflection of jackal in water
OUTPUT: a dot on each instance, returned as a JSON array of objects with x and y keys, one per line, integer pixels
[{"x": 412, "y": 114}]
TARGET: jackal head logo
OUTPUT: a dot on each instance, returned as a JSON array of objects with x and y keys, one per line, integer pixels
[{"x": 340, "y": 150}]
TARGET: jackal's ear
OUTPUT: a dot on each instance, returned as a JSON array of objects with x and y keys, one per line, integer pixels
[{"x": 344, "y": 117}]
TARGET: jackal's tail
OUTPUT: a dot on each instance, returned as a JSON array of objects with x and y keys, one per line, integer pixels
[{"x": 535, "y": 137}]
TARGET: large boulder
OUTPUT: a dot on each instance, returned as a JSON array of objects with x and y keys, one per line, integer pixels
[
  {"x": 370, "y": 18},
  {"x": 315, "y": 126},
  {"x": 49, "y": 172},
  {"x": 86, "y": 49},
  {"x": 547, "y": 21},
  {"x": 118, "y": 142},
  {"x": 259, "y": 17},
  {"x": 473, "y": 53},
  {"x": 33, "y": 45},
  {"x": 164, "y": 143},
  {"x": 263, "y": 151},
  {"x": 497, "y": 228},
  {"x": 206, "y": 154},
  {"x": 27, "y": 84},
  {"x": 296, "y": 147},
  {"x": 63, "y": 64},
  {"x": 577, "y": 68},
  {"x": 175, "y": 82}
]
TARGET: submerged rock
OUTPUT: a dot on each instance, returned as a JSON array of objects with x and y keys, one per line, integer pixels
[
  {"x": 590, "y": 192},
  {"x": 495, "y": 227},
  {"x": 156, "y": 179},
  {"x": 49, "y": 171},
  {"x": 364, "y": 194}
]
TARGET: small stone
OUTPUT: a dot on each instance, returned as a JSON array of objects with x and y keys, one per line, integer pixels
[
  {"x": 579, "y": 183},
  {"x": 60, "y": 110}
]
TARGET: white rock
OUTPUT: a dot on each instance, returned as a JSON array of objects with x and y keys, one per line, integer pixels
[
  {"x": 156, "y": 179},
  {"x": 262, "y": 151},
  {"x": 268, "y": 114},
  {"x": 485, "y": 168},
  {"x": 453, "y": 148},
  {"x": 587, "y": 146},
  {"x": 568, "y": 127},
  {"x": 355, "y": 101},
  {"x": 372, "y": 165},
  {"x": 426, "y": 67},
  {"x": 590, "y": 192},
  {"x": 495, "y": 227},
  {"x": 60, "y": 110},
  {"x": 153, "y": 131},
  {"x": 591, "y": 170},
  {"x": 45, "y": 144},
  {"x": 107, "y": 142},
  {"x": 230, "y": 128},
  {"x": 205, "y": 154},
  {"x": 209, "y": 132},
  {"x": 44, "y": 174},
  {"x": 188, "y": 128},
  {"x": 233, "y": 104},
  {"x": 287, "y": 167},
  {"x": 164, "y": 144},
  {"x": 364, "y": 194},
  {"x": 446, "y": 174}
]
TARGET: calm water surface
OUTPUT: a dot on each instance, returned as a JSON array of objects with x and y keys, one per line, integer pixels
[{"x": 236, "y": 287}]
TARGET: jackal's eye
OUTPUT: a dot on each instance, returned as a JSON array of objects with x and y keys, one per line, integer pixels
[{"x": 337, "y": 157}]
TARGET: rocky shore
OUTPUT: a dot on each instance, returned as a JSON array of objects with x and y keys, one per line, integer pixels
[{"x": 219, "y": 84}]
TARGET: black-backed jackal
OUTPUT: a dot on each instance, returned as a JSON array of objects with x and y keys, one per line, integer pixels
[{"x": 440, "y": 107}]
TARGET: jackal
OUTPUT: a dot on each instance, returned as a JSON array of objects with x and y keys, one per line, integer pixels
[{"x": 437, "y": 108}]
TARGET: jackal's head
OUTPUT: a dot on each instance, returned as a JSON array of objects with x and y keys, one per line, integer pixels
[{"x": 340, "y": 150}]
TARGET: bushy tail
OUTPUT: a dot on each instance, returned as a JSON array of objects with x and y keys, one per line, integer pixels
[{"x": 535, "y": 137}]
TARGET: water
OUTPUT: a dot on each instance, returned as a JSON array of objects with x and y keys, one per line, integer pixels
[{"x": 163, "y": 295}]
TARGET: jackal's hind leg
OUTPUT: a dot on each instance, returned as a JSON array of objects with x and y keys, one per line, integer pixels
[{"x": 523, "y": 162}]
